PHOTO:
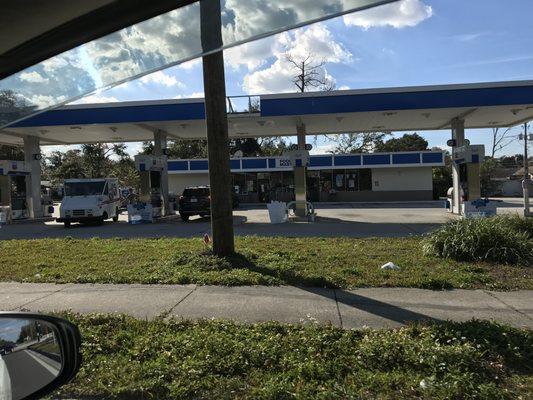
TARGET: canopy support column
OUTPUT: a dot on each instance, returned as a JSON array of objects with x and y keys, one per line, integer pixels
[
  {"x": 32, "y": 159},
  {"x": 300, "y": 176},
  {"x": 160, "y": 144},
  {"x": 458, "y": 134},
  {"x": 217, "y": 129}
]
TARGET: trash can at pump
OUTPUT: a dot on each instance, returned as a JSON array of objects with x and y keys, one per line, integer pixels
[
  {"x": 4, "y": 215},
  {"x": 277, "y": 211}
]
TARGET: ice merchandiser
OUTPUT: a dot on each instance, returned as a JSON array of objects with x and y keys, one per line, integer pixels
[
  {"x": 13, "y": 188},
  {"x": 151, "y": 173}
]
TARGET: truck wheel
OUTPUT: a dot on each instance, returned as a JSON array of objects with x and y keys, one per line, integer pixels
[
  {"x": 101, "y": 220},
  {"x": 184, "y": 217},
  {"x": 67, "y": 224}
]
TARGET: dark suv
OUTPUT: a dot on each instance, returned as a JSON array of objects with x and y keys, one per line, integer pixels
[{"x": 196, "y": 200}]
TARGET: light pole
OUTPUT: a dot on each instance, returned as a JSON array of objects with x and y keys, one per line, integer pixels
[
  {"x": 526, "y": 181},
  {"x": 216, "y": 119}
]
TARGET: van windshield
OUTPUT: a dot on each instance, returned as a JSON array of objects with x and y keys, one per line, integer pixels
[{"x": 84, "y": 188}]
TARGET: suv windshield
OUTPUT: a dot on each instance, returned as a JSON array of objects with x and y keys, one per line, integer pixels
[
  {"x": 84, "y": 188},
  {"x": 198, "y": 192}
]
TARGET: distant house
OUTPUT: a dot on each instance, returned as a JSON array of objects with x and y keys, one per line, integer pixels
[{"x": 512, "y": 186}]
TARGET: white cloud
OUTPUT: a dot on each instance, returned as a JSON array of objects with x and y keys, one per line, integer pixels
[
  {"x": 33, "y": 77},
  {"x": 405, "y": 13},
  {"x": 315, "y": 40},
  {"x": 48, "y": 150},
  {"x": 161, "y": 78},
  {"x": 251, "y": 55},
  {"x": 96, "y": 98},
  {"x": 344, "y": 87},
  {"x": 44, "y": 101},
  {"x": 322, "y": 148},
  {"x": 193, "y": 95},
  {"x": 134, "y": 148},
  {"x": 190, "y": 64}
]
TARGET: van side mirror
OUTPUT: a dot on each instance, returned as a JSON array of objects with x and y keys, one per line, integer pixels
[{"x": 38, "y": 354}]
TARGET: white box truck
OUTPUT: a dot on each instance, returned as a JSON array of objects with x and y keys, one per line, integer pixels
[{"x": 89, "y": 200}]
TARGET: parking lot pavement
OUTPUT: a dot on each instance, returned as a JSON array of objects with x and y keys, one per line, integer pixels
[{"x": 333, "y": 220}]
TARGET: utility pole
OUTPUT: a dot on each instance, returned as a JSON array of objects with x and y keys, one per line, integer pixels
[
  {"x": 216, "y": 118},
  {"x": 526, "y": 181}
]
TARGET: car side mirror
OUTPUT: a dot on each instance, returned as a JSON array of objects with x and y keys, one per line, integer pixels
[{"x": 38, "y": 354}]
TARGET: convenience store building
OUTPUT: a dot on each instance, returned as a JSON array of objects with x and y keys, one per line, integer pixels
[{"x": 402, "y": 176}]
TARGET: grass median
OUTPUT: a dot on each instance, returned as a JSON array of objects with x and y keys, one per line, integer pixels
[
  {"x": 322, "y": 262},
  {"x": 136, "y": 359}
]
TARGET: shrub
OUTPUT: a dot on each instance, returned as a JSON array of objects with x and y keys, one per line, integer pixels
[
  {"x": 519, "y": 224},
  {"x": 502, "y": 239}
]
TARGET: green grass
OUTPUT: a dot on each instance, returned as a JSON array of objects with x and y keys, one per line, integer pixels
[
  {"x": 324, "y": 262},
  {"x": 133, "y": 359}
]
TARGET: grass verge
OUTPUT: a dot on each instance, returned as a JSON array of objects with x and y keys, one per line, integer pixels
[
  {"x": 135, "y": 359},
  {"x": 323, "y": 262}
]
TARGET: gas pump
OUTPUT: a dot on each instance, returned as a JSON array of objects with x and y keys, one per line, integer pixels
[
  {"x": 468, "y": 159},
  {"x": 151, "y": 191},
  {"x": 299, "y": 159},
  {"x": 13, "y": 176}
]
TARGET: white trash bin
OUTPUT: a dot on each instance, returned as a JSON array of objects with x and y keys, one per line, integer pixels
[
  {"x": 277, "y": 211},
  {"x": 4, "y": 215}
]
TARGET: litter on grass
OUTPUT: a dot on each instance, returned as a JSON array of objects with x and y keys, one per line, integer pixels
[{"x": 390, "y": 265}]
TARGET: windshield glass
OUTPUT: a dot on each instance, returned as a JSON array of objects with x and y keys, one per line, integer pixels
[
  {"x": 84, "y": 188},
  {"x": 166, "y": 40},
  {"x": 199, "y": 192}
]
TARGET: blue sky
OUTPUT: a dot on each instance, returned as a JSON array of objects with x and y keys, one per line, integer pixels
[{"x": 414, "y": 42}]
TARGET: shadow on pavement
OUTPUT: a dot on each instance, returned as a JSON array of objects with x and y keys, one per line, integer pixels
[
  {"x": 316, "y": 286},
  {"x": 380, "y": 308}
]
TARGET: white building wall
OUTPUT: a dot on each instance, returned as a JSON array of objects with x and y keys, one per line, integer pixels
[
  {"x": 178, "y": 182},
  {"x": 401, "y": 179},
  {"x": 512, "y": 188}
]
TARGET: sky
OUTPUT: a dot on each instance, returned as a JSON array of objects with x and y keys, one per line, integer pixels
[{"x": 408, "y": 43}]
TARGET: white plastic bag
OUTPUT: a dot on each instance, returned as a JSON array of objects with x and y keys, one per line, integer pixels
[{"x": 390, "y": 265}]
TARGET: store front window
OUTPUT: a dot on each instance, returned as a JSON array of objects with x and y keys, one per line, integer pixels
[
  {"x": 239, "y": 183},
  {"x": 352, "y": 180},
  {"x": 251, "y": 182},
  {"x": 325, "y": 181},
  {"x": 338, "y": 180},
  {"x": 365, "y": 179}
]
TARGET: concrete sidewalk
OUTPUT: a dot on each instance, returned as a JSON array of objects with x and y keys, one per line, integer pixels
[{"x": 376, "y": 308}]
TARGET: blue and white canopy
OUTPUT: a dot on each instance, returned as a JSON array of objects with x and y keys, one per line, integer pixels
[{"x": 497, "y": 104}]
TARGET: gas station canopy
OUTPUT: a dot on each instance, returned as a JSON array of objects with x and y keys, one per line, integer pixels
[{"x": 484, "y": 105}]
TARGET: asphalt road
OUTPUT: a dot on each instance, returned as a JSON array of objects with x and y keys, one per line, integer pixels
[
  {"x": 333, "y": 220},
  {"x": 29, "y": 372}
]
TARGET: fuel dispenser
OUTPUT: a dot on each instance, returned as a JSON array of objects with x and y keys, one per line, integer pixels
[
  {"x": 467, "y": 159},
  {"x": 299, "y": 160},
  {"x": 13, "y": 180},
  {"x": 151, "y": 191}
]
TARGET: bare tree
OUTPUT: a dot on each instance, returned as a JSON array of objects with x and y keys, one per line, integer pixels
[
  {"x": 500, "y": 139},
  {"x": 310, "y": 73},
  {"x": 362, "y": 142}
]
